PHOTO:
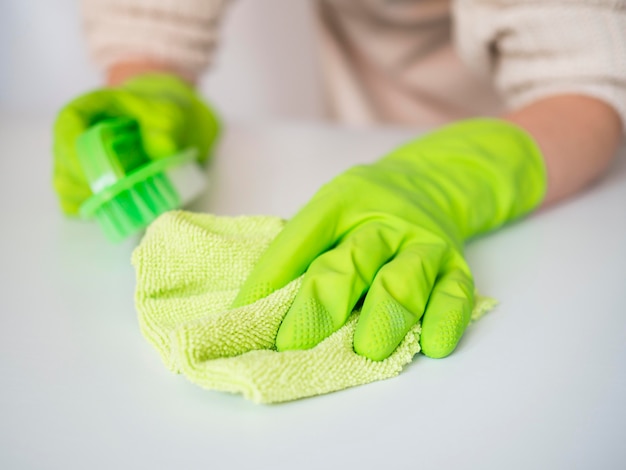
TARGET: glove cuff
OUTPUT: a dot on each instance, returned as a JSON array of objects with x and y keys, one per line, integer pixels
[
  {"x": 207, "y": 127},
  {"x": 482, "y": 173}
]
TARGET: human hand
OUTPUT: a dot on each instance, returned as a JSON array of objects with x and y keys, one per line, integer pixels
[
  {"x": 393, "y": 232},
  {"x": 170, "y": 114}
]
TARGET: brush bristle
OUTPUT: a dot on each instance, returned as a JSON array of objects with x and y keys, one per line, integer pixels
[{"x": 135, "y": 208}]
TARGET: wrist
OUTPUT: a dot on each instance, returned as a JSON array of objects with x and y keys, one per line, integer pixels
[
  {"x": 578, "y": 137},
  {"x": 121, "y": 72}
]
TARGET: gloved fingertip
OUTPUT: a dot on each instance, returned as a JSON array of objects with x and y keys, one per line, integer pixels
[
  {"x": 69, "y": 208},
  {"x": 373, "y": 354},
  {"x": 159, "y": 144},
  {"x": 248, "y": 295},
  {"x": 381, "y": 329},
  {"x": 440, "y": 338},
  {"x": 68, "y": 125},
  {"x": 306, "y": 324}
]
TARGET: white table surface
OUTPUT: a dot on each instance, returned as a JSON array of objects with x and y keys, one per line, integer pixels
[{"x": 540, "y": 383}]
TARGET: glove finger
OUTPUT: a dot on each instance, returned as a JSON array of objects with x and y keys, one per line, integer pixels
[
  {"x": 74, "y": 119},
  {"x": 205, "y": 130},
  {"x": 334, "y": 283},
  {"x": 69, "y": 179},
  {"x": 161, "y": 119},
  {"x": 161, "y": 124},
  {"x": 310, "y": 233},
  {"x": 397, "y": 299},
  {"x": 449, "y": 310},
  {"x": 71, "y": 122},
  {"x": 170, "y": 114}
]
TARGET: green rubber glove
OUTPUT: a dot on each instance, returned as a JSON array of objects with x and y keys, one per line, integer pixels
[
  {"x": 393, "y": 232},
  {"x": 171, "y": 117}
]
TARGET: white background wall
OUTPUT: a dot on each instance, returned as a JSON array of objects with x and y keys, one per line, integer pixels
[{"x": 265, "y": 67}]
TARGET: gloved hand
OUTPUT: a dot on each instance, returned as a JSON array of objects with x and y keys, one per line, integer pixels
[
  {"x": 170, "y": 114},
  {"x": 393, "y": 232}
]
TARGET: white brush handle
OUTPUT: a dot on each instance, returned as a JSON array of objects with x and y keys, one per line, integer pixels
[{"x": 189, "y": 180}]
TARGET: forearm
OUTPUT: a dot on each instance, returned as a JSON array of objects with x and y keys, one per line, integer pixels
[
  {"x": 152, "y": 35},
  {"x": 578, "y": 137}
]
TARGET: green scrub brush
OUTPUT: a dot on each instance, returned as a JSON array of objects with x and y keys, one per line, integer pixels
[{"x": 130, "y": 190}]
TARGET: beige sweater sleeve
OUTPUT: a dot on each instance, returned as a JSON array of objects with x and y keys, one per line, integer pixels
[
  {"x": 182, "y": 33},
  {"x": 537, "y": 48}
]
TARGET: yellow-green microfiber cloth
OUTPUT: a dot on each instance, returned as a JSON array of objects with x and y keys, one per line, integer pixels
[{"x": 190, "y": 268}]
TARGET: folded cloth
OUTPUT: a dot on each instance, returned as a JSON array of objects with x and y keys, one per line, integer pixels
[{"x": 189, "y": 270}]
